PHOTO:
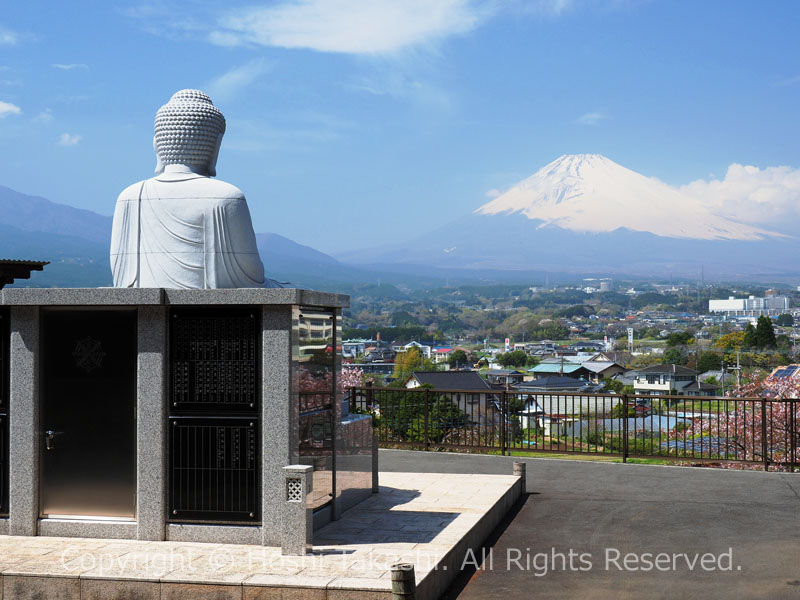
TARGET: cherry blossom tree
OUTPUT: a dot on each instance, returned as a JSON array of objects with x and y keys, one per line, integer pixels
[{"x": 762, "y": 414}]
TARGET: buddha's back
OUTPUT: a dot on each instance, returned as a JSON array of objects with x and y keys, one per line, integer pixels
[{"x": 183, "y": 229}]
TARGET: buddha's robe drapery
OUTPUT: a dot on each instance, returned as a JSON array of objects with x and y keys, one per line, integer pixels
[{"x": 184, "y": 230}]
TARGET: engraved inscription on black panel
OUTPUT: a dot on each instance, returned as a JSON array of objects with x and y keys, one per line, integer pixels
[
  {"x": 213, "y": 470},
  {"x": 5, "y": 348},
  {"x": 214, "y": 454},
  {"x": 214, "y": 361}
]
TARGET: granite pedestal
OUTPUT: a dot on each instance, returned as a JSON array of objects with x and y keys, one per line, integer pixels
[{"x": 286, "y": 424}]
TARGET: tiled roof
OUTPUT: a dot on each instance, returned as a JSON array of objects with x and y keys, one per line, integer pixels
[{"x": 451, "y": 380}]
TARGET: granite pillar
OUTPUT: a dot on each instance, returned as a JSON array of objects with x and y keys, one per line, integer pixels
[
  {"x": 151, "y": 424},
  {"x": 279, "y": 408},
  {"x": 298, "y": 522},
  {"x": 24, "y": 421}
]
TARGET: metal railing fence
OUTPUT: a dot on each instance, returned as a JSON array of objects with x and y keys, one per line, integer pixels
[{"x": 746, "y": 431}]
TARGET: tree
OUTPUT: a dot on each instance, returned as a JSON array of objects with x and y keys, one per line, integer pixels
[
  {"x": 680, "y": 338},
  {"x": 731, "y": 341},
  {"x": 765, "y": 333},
  {"x": 709, "y": 361},
  {"x": 674, "y": 356},
  {"x": 457, "y": 358},
  {"x": 531, "y": 361},
  {"x": 736, "y": 431},
  {"x": 750, "y": 339},
  {"x": 785, "y": 320},
  {"x": 407, "y": 362},
  {"x": 612, "y": 385},
  {"x": 515, "y": 358}
]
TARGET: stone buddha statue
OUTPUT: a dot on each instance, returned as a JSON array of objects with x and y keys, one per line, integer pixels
[{"x": 181, "y": 228}]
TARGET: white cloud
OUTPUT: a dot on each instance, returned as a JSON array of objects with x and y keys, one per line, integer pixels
[
  {"x": 769, "y": 196},
  {"x": 8, "y": 38},
  {"x": 6, "y": 108},
  {"x": 44, "y": 117},
  {"x": 493, "y": 193},
  {"x": 350, "y": 26},
  {"x": 398, "y": 85},
  {"x": 557, "y": 8},
  {"x": 70, "y": 66},
  {"x": 790, "y": 81},
  {"x": 231, "y": 83},
  {"x": 69, "y": 139},
  {"x": 592, "y": 118}
]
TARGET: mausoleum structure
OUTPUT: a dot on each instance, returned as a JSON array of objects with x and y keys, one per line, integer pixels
[
  {"x": 170, "y": 414},
  {"x": 191, "y": 401}
]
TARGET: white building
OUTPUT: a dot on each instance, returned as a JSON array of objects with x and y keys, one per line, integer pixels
[{"x": 772, "y": 305}]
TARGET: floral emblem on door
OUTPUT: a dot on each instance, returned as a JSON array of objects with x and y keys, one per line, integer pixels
[{"x": 88, "y": 354}]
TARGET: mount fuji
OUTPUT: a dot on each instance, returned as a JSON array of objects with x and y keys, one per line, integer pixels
[{"x": 585, "y": 213}]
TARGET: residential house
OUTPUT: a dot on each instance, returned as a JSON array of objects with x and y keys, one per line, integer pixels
[
  {"x": 504, "y": 378},
  {"x": 424, "y": 349},
  {"x": 442, "y": 355},
  {"x": 666, "y": 379},
  {"x": 552, "y": 402},
  {"x": 565, "y": 368},
  {"x": 356, "y": 347},
  {"x": 619, "y": 357},
  {"x": 601, "y": 370},
  {"x": 467, "y": 389}
]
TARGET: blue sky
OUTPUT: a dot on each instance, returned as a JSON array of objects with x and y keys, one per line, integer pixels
[{"x": 358, "y": 122}]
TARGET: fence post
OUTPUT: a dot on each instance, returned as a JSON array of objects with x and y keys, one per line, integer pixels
[
  {"x": 519, "y": 471},
  {"x": 504, "y": 422},
  {"x": 764, "y": 454},
  {"x": 404, "y": 583},
  {"x": 370, "y": 396},
  {"x": 624, "y": 415},
  {"x": 427, "y": 420},
  {"x": 793, "y": 432},
  {"x": 375, "y": 486}
]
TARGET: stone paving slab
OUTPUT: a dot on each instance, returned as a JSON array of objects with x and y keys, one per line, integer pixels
[{"x": 429, "y": 519}]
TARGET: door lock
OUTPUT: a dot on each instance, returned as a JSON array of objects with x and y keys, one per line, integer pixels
[{"x": 49, "y": 436}]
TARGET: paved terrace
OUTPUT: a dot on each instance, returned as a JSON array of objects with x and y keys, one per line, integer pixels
[
  {"x": 431, "y": 520},
  {"x": 590, "y": 506}
]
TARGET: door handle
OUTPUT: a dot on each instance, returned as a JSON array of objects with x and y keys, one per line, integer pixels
[{"x": 49, "y": 436}]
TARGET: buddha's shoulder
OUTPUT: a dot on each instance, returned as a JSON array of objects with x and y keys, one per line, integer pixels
[
  {"x": 197, "y": 188},
  {"x": 131, "y": 192},
  {"x": 221, "y": 189}
]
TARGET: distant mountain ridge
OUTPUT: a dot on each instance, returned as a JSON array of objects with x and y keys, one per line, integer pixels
[
  {"x": 76, "y": 242},
  {"x": 33, "y": 213}
]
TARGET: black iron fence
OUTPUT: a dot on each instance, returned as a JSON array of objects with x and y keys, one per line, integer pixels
[{"x": 760, "y": 432}]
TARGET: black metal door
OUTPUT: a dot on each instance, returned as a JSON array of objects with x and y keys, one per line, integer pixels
[{"x": 88, "y": 450}]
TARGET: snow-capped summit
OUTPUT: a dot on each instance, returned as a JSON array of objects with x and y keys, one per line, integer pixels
[{"x": 591, "y": 193}]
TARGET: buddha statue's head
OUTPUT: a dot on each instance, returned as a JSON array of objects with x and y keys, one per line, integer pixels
[{"x": 188, "y": 131}]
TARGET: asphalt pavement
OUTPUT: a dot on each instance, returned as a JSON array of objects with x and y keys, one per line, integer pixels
[{"x": 616, "y": 531}]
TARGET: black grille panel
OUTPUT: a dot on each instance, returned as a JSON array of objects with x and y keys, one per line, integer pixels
[
  {"x": 213, "y": 469},
  {"x": 214, "y": 452},
  {"x": 214, "y": 361}
]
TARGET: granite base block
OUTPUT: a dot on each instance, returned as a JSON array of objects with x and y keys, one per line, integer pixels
[
  {"x": 215, "y": 534},
  {"x": 18, "y": 587}
]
